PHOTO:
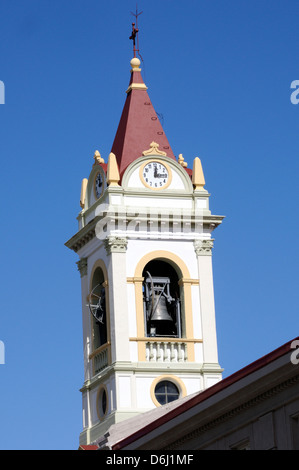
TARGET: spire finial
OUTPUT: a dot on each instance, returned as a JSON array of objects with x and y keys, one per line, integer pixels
[
  {"x": 198, "y": 178},
  {"x": 135, "y": 30}
]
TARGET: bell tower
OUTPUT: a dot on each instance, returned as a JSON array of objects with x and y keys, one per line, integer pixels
[{"x": 144, "y": 243}]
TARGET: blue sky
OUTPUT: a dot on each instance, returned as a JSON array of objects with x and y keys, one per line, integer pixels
[{"x": 220, "y": 74}]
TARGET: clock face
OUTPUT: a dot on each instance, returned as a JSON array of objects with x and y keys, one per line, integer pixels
[
  {"x": 155, "y": 175},
  {"x": 98, "y": 185}
]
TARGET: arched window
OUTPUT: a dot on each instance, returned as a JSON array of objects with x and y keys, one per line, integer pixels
[
  {"x": 97, "y": 305},
  {"x": 161, "y": 300}
]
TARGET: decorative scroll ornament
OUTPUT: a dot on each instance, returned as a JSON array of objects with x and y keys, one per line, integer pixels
[
  {"x": 154, "y": 150},
  {"x": 97, "y": 157},
  {"x": 181, "y": 161}
]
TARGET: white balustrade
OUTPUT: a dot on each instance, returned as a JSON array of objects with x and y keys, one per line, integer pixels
[{"x": 166, "y": 351}]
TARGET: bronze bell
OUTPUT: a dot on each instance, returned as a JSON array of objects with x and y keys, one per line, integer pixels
[{"x": 160, "y": 311}]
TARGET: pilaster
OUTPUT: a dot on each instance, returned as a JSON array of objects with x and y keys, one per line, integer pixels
[
  {"x": 86, "y": 324},
  {"x": 116, "y": 248},
  {"x": 203, "y": 250}
]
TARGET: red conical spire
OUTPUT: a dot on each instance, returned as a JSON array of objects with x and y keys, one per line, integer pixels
[{"x": 139, "y": 125}]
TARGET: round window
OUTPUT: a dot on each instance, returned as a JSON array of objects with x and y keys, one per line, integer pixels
[{"x": 166, "y": 391}]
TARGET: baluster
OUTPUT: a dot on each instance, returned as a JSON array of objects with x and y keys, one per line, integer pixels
[
  {"x": 172, "y": 352},
  {"x": 165, "y": 352},
  {"x": 158, "y": 358},
  {"x": 186, "y": 352},
  {"x": 151, "y": 356},
  {"x": 180, "y": 353}
]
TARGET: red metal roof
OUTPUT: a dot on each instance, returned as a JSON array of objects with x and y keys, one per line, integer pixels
[
  {"x": 88, "y": 447},
  {"x": 207, "y": 393},
  {"x": 139, "y": 126}
]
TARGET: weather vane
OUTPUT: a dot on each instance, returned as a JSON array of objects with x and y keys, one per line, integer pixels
[{"x": 134, "y": 35}]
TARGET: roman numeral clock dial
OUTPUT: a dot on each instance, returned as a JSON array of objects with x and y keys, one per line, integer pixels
[{"x": 155, "y": 175}]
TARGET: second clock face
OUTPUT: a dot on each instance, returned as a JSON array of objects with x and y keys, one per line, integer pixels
[
  {"x": 98, "y": 185},
  {"x": 155, "y": 175}
]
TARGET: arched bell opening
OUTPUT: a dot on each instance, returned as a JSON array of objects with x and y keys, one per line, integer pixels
[
  {"x": 98, "y": 309},
  {"x": 162, "y": 300}
]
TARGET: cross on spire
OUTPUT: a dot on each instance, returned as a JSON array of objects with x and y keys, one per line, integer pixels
[
  {"x": 133, "y": 37},
  {"x": 135, "y": 30}
]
